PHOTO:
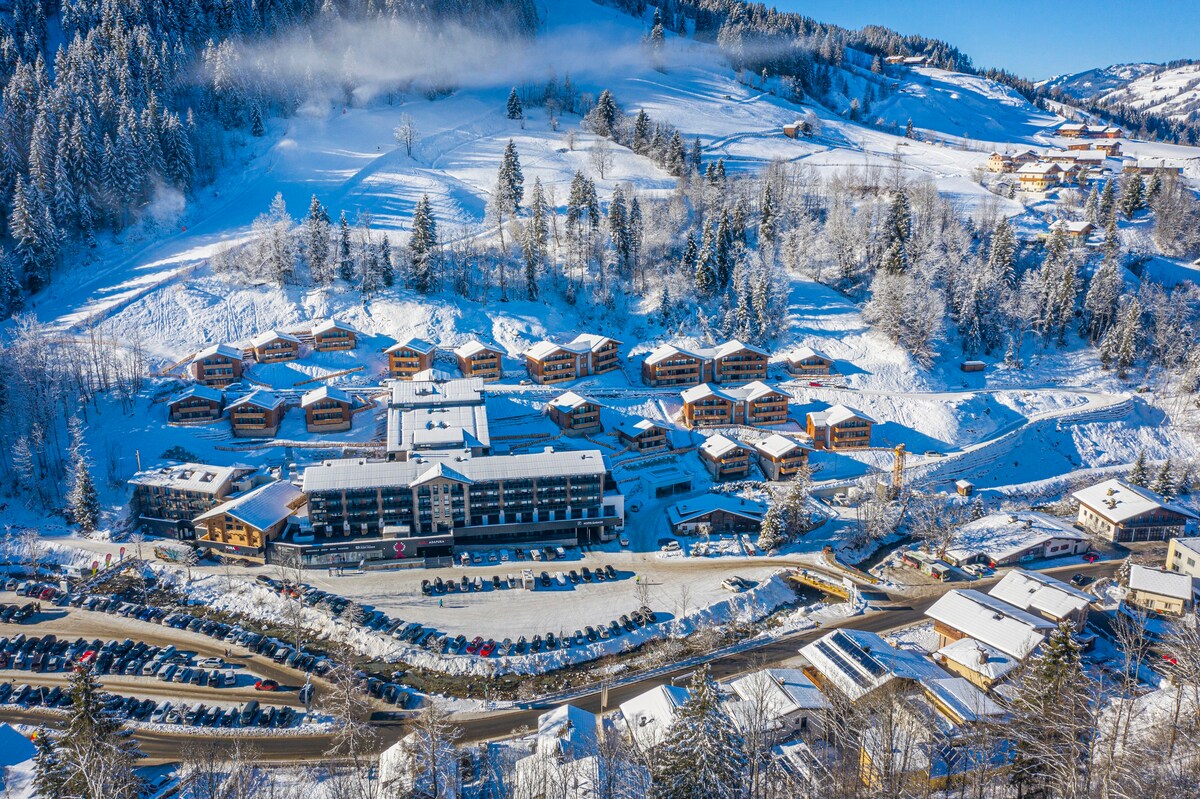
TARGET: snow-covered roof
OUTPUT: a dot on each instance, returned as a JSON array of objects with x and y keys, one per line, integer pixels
[
  {"x": 1072, "y": 126},
  {"x": 838, "y": 414},
  {"x": 750, "y": 391},
  {"x": 543, "y": 349},
  {"x": 259, "y": 398},
  {"x": 1041, "y": 593},
  {"x": 570, "y": 401},
  {"x": 199, "y": 390},
  {"x": 733, "y": 345},
  {"x": 719, "y": 446},
  {"x": 666, "y": 351},
  {"x": 260, "y": 508},
  {"x": 1072, "y": 226},
  {"x": 224, "y": 350},
  {"x": 782, "y": 692},
  {"x": 325, "y": 325},
  {"x": 436, "y": 393},
  {"x": 777, "y": 446},
  {"x": 343, "y": 473},
  {"x": 1191, "y": 545},
  {"x": 704, "y": 391},
  {"x": 199, "y": 477},
  {"x": 1001, "y": 536},
  {"x": 649, "y": 716},
  {"x": 568, "y": 731},
  {"x": 701, "y": 506},
  {"x": 979, "y": 658},
  {"x": 633, "y": 428},
  {"x": 1038, "y": 169},
  {"x": 474, "y": 347},
  {"x": 322, "y": 393},
  {"x": 1151, "y": 580},
  {"x": 804, "y": 353},
  {"x": 1118, "y": 501},
  {"x": 962, "y": 698},
  {"x": 858, "y": 662},
  {"x": 415, "y": 344},
  {"x": 432, "y": 375},
  {"x": 991, "y": 620},
  {"x": 263, "y": 339},
  {"x": 589, "y": 342}
]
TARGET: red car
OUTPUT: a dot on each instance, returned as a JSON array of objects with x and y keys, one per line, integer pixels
[
  {"x": 1174, "y": 661},
  {"x": 473, "y": 647},
  {"x": 88, "y": 657},
  {"x": 47, "y": 594},
  {"x": 266, "y": 685},
  {"x": 1091, "y": 557},
  {"x": 487, "y": 649}
]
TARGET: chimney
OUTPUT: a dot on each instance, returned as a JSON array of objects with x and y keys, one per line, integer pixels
[{"x": 983, "y": 658}]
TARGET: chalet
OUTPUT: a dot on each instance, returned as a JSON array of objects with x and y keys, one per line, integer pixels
[
  {"x": 1111, "y": 149},
  {"x": 477, "y": 359},
  {"x": 327, "y": 410},
  {"x": 649, "y": 716},
  {"x": 794, "y": 130},
  {"x": 1000, "y": 163},
  {"x": 780, "y": 457},
  {"x": 972, "y": 366},
  {"x": 574, "y": 414},
  {"x": 1160, "y": 591},
  {"x": 1025, "y": 157},
  {"x": 780, "y": 704},
  {"x": 1072, "y": 130},
  {"x": 246, "y": 524},
  {"x": 1042, "y": 595},
  {"x": 330, "y": 335},
  {"x": 894, "y": 60},
  {"x": 1104, "y": 132},
  {"x": 257, "y": 415},
  {"x": 716, "y": 513},
  {"x": 1122, "y": 512},
  {"x": 753, "y": 405},
  {"x": 643, "y": 435},
  {"x": 218, "y": 365},
  {"x": 731, "y": 362},
  {"x": 197, "y": 403},
  {"x": 916, "y": 61},
  {"x": 275, "y": 347},
  {"x": 965, "y": 613},
  {"x": 408, "y": 357},
  {"x": 1006, "y": 539},
  {"x": 1183, "y": 557},
  {"x": 1076, "y": 231},
  {"x": 1039, "y": 177},
  {"x": 976, "y": 661},
  {"x": 839, "y": 427},
  {"x": 725, "y": 458},
  {"x": 166, "y": 499},
  {"x": 808, "y": 362},
  {"x": 964, "y": 488},
  {"x": 586, "y": 354},
  {"x": 1149, "y": 166}
]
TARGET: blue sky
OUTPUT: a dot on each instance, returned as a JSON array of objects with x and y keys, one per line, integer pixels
[{"x": 1034, "y": 38}]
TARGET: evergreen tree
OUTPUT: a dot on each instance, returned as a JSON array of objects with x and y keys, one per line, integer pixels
[
  {"x": 641, "y": 133},
  {"x": 82, "y": 500},
  {"x": 1139, "y": 475},
  {"x": 1132, "y": 196},
  {"x": 1100, "y": 302},
  {"x": 702, "y": 755},
  {"x": 657, "y": 39},
  {"x": 422, "y": 245},
  {"x": 49, "y": 772},
  {"x": 535, "y": 239},
  {"x": 1119, "y": 347},
  {"x": 696, "y": 156},
  {"x": 1108, "y": 199},
  {"x": 722, "y": 243},
  {"x": 515, "y": 109},
  {"x": 1183, "y": 486},
  {"x": 316, "y": 243},
  {"x": 676, "y": 164},
  {"x": 510, "y": 187},
  {"x": 387, "y": 270},
  {"x": 771, "y": 532},
  {"x": 665, "y": 309},
  {"x": 909, "y": 132},
  {"x": 11, "y": 298},
  {"x": 99, "y": 757},
  {"x": 766, "y": 222},
  {"x": 705, "y": 260},
  {"x": 1002, "y": 253},
  {"x": 896, "y": 230},
  {"x": 257, "y": 129},
  {"x": 1164, "y": 481},
  {"x": 344, "y": 251},
  {"x": 604, "y": 115}
]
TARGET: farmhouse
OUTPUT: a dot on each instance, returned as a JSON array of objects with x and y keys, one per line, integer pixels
[
  {"x": 1122, "y": 512},
  {"x": 330, "y": 335},
  {"x": 755, "y": 405},
  {"x": 1005, "y": 539},
  {"x": 1110, "y": 148},
  {"x": 1074, "y": 230},
  {"x": 586, "y": 354},
  {"x": 717, "y": 513},
  {"x": 167, "y": 498},
  {"x": 1160, "y": 591},
  {"x": 731, "y": 362},
  {"x": 327, "y": 410},
  {"x": 1044, "y": 596},
  {"x": 965, "y": 613},
  {"x": 1148, "y": 166},
  {"x": 476, "y": 359},
  {"x": 437, "y": 419},
  {"x": 274, "y": 347},
  {"x": 1040, "y": 176},
  {"x": 1000, "y": 163},
  {"x": 256, "y": 415},
  {"x": 246, "y": 524},
  {"x": 196, "y": 403},
  {"x": 408, "y": 357},
  {"x": 643, "y": 435},
  {"x": 725, "y": 458},
  {"x": 1072, "y": 130},
  {"x": 1183, "y": 557},
  {"x": 575, "y": 414},
  {"x": 780, "y": 457},
  {"x": 839, "y": 427},
  {"x": 218, "y": 365},
  {"x": 808, "y": 362}
]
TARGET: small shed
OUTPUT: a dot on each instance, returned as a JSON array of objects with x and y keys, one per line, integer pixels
[
  {"x": 973, "y": 366},
  {"x": 965, "y": 488}
]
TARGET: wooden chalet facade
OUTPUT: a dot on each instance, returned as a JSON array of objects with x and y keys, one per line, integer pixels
[
  {"x": 331, "y": 335},
  {"x": 643, "y": 435},
  {"x": 275, "y": 347},
  {"x": 245, "y": 525},
  {"x": 725, "y": 458},
  {"x": 780, "y": 458},
  {"x": 839, "y": 427},
  {"x": 327, "y": 410},
  {"x": 753, "y": 405},
  {"x": 197, "y": 404},
  {"x": 586, "y": 354},
  {"x": 731, "y": 362},
  {"x": 407, "y": 358},
  {"x": 1040, "y": 176},
  {"x": 217, "y": 366},
  {"x": 808, "y": 362},
  {"x": 717, "y": 514},
  {"x": 476, "y": 359},
  {"x": 574, "y": 414},
  {"x": 256, "y": 415},
  {"x": 1122, "y": 512}
]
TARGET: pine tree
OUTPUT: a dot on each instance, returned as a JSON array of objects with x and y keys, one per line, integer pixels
[
  {"x": 1183, "y": 486},
  {"x": 515, "y": 109},
  {"x": 771, "y": 532},
  {"x": 1139, "y": 474},
  {"x": 909, "y": 132},
  {"x": 1132, "y": 196},
  {"x": 82, "y": 500},
  {"x": 422, "y": 245},
  {"x": 705, "y": 260},
  {"x": 665, "y": 309},
  {"x": 344, "y": 251},
  {"x": 696, "y": 156},
  {"x": 1119, "y": 347},
  {"x": 676, "y": 158},
  {"x": 1164, "y": 481},
  {"x": 766, "y": 222},
  {"x": 49, "y": 773},
  {"x": 510, "y": 187},
  {"x": 723, "y": 242},
  {"x": 1003, "y": 251},
  {"x": 387, "y": 270},
  {"x": 100, "y": 758},
  {"x": 702, "y": 756},
  {"x": 1100, "y": 302},
  {"x": 641, "y": 133},
  {"x": 1108, "y": 199},
  {"x": 897, "y": 230},
  {"x": 316, "y": 243},
  {"x": 257, "y": 129},
  {"x": 657, "y": 39},
  {"x": 604, "y": 115},
  {"x": 11, "y": 298},
  {"x": 535, "y": 239}
]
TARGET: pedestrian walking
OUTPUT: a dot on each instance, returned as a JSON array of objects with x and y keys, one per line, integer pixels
[{"x": 441, "y": 603}]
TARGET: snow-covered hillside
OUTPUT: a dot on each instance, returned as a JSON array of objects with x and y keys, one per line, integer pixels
[
  {"x": 1093, "y": 83},
  {"x": 1172, "y": 92}
]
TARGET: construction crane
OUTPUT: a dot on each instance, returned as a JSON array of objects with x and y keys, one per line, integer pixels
[{"x": 898, "y": 471}]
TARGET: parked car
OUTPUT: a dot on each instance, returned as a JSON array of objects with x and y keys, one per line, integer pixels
[{"x": 266, "y": 685}]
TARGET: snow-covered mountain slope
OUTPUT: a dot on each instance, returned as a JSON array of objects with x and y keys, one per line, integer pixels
[
  {"x": 1093, "y": 83},
  {"x": 1172, "y": 92}
]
